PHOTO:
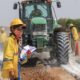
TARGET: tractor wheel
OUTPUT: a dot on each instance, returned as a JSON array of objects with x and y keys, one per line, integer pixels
[{"x": 62, "y": 48}]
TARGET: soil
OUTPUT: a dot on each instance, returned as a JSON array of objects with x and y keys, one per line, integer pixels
[{"x": 42, "y": 73}]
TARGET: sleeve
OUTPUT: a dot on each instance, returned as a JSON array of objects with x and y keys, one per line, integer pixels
[{"x": 8, "y": 54}]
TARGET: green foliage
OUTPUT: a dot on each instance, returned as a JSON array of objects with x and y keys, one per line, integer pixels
[
  {"x": 62, "y": 21},
  {"x": 65, "y": 22}
]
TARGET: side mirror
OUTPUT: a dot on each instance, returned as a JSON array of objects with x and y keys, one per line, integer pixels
[
  {"x": 58, "y": 4},
  {"x": 15, "y": 6}
]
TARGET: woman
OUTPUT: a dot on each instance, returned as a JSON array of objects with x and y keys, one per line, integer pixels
[{"x": 10, "y": 58}]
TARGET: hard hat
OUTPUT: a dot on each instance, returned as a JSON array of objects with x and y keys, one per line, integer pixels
[
  {"x": 2, "y": 29},
  {"x": 71, "y": 25},
  {"x": 17, "y": 21}
]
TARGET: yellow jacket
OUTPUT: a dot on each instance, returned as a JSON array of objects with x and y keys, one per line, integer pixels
[
  {"x": 75, "y": 33},
  {"x": 3, "y": 37},
  {"x": 10, "y": 58}
]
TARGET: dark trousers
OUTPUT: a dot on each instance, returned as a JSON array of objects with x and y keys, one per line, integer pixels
[{"x": 19, "y": 71}]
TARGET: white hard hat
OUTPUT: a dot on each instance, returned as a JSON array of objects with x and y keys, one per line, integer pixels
[
  {"x": 2, "y": 29},
  {"x": 71, "y": 25}
]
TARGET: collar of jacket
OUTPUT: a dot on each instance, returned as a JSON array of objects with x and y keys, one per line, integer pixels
[{"x": 15, "y": 38}]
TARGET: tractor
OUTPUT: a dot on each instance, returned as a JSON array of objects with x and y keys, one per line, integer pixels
[{"x": 43, "y": 31}]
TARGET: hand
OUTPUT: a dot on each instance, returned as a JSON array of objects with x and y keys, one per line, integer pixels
[
  {"x": 29, "y": 53},
  {"x": 11, "y": 74}
]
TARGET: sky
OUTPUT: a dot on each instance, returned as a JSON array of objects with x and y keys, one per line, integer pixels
[{"x": 69, "y": 9}]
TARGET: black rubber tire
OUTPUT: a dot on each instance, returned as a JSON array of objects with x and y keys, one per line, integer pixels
[{"x": 62, "y": 48}]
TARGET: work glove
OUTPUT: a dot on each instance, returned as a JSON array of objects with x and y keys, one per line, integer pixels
[
  {"x": 24, "y": 60},
  {"x": 25, "y": 56}
]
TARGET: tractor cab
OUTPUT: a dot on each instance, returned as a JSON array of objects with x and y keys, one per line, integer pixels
[{"x": 36, "y": 10}]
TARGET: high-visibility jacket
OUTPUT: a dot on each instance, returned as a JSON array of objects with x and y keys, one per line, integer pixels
[
  {"x": 3, "y": 37},
  {"x": 10, "y": 58},
  {"x": 75, "y": 33}
]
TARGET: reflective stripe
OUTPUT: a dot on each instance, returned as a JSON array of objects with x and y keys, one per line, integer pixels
[
  {"x": 6, "y": 59},
  {"x": 15, "y": 53}
]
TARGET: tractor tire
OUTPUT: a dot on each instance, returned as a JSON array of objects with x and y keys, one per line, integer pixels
[{"x": 62, "y": 48}]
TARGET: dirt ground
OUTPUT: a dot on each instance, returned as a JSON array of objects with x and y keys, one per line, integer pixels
[{"x": 41, "y": 73}]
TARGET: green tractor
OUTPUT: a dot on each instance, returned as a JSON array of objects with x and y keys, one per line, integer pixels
[{"x": 43, "y": 31}]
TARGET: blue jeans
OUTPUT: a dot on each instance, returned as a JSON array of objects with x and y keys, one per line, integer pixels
[{"x": 19, "y": 71}]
